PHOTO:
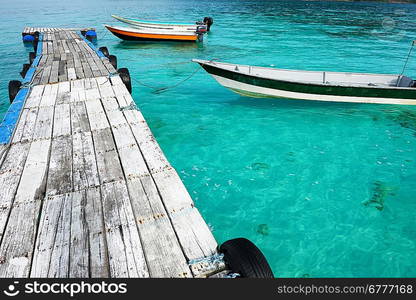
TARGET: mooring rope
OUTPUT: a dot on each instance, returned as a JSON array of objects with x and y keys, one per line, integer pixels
[
  {"x": 158, "y": 89},
  {"x": 407, "y": 58}
]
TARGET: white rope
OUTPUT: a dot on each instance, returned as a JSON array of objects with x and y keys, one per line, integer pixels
[
  {"x": 158, "y": 89},
  {"x": 407, "y": 58}
]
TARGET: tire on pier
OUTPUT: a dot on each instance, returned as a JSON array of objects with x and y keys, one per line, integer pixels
[
  {"x": 208, "y": 21},
  {"x": 32, "y": 56},
  {"x": 28, "y": 38},
  {"x": 25, "y": 68},
  {"x": 14, "y": 87},
  {"x": 104, "y": 51},
  {"x": 125, "y": 77},
  {"x": 113, "y": 61},
  {"x": 91, "y": 35},
  {"x": 243, "y": 257}
]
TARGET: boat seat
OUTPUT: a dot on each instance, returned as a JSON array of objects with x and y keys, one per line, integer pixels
[{"x": 405, "y": 81}]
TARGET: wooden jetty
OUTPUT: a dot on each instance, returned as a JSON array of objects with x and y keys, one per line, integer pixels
[{"x": 85, "y": 189}]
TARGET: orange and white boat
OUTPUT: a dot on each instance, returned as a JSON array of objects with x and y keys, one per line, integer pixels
[{"x": 143, "y": 34}]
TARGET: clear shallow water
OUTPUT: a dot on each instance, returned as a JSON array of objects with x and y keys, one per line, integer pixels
[{"x": 324, "y": 189}]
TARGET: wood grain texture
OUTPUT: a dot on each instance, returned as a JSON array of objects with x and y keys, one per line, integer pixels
[{"x": 19, "y": 237}]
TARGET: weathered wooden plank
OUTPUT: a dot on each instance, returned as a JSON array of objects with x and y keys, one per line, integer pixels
[
  {"x": 37, "y": 91},
  {"x": 62, "y": 71},
  {"x": 108, "y": 163},
  {"x": 46, "y": 71},
  {"x": 99, "y": 62},
  {"x": 96, "y": 115},
  {"x": 70, "y": 61},
  {"x": 49, "y": 95},
  {"x": 118, "y": 86},
  {"x": 129, "y": 153},
  {"x": 79, "y": 117},
  {"x": 105, "y": 88},
  {"x": 18, "y": 132},
  {"x": 33, "y": 182},
  {"x": 60, "y": 166},
  {"x": 193, "y": 233},
  {"x": 54, "y": 72},
  {"x": 153, "y": 155},
  {"x": 10, "y": 172},
  {"x": 163, "y": 252},
  {"x": 126, "y": 257},
  {"x": 124, "y": 101},
  {"x": 77, "y": 90},
  {"x": 110, "y": 103},
  {"x": 88, "y": 245},
  {"x": 64, "y": 92},
  {"x": 85, "y": 171},
  {"x": 72, "y": 74},
  {"x": 51, "y": 254},
  {"x": 44, "y": 123},
  {"x": 17, "y": 245},
  {"x": 91, "y": 89},
  {"x": 87, "y": 70},
  {"x": 108, "y": 65},
  {"x": 116, "y": 118},
  {"x": 29, "y": 125},
  {"x": 35, "y": 96},
  {"x": 62, "y": 120}
]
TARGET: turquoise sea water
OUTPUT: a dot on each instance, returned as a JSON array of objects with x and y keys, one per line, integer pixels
[{"x": 324, "y": 189}]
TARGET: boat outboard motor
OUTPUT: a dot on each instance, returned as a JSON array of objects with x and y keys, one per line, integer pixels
[
  {"x": 201, "y": 30},
  {"x": 208, "y": 21}
]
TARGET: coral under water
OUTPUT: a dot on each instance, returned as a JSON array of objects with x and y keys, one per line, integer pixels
[
  {"x": 380, "y": 192},
  {"x": 406, "y": 119},
  {"x": 263, "y": 229},
  {"x": 259, "y": 166}
]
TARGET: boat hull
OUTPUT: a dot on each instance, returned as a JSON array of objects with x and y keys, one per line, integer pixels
[
  {"x": 253, "y": 86},
  {"x": 149, "y": 36},
  {"x": 156, "y": 25}
]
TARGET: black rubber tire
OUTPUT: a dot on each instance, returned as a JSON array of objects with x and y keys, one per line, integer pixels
[
  {"x": 243, "y": 257},
  {"x": 113, "y": 61},
  {"x": 25, "y": 68},
  {"x": 125, "y": 77},
  {"x": 14, "y": 87},
  {"x": 32, "y": 56},
  {"x": 104, "y": 50},
  {"x": 90, "y": 37}
]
